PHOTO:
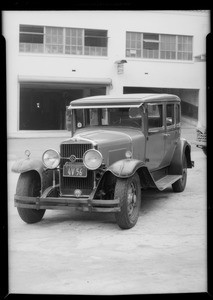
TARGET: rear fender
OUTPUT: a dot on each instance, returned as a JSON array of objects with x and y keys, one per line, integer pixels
[
  {"x": 176, "y": 166},
  {"x": 34, "y": 165}
]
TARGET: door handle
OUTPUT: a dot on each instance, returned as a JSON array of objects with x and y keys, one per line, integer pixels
[{"x": 166, "y": 134}]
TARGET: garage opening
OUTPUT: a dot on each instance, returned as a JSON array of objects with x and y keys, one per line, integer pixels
[
  {"x": 189, "y": 98},
  {"x": 43, "y": 105}
]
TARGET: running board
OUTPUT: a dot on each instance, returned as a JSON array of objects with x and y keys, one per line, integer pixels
[{"x": 166, "y": 181}]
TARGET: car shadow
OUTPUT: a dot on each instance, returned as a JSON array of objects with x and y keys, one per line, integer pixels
[
  {"x": 57, "y": 217},
  {"x": 150, "y": 201}
]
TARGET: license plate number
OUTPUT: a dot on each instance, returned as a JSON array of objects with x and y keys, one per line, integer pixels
[{"x": 71, "y": 170}]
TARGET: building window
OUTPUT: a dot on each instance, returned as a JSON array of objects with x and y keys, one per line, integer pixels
[
  {"x": 133, "y": 44},
  {"x": 95, "y": 42},
  {"x": 53, "y": 40},
  {"x": 31, "y": 38},
  {"x": 59, "y": 40},
  {"x": 74, "y": 41},
  {"x": 150, "y": 45},
  {"x": 184, "y": 47},
  {"x": 168, "y": 46},
  {"x": 158, "y": 46}
]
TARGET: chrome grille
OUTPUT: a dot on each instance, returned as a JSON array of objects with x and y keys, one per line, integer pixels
[
  {"x": 69, "y": 184},
  {"x": 78, "y": 150}
]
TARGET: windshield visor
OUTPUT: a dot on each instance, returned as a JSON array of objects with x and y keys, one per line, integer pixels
[{"x": 123, "y": 117}]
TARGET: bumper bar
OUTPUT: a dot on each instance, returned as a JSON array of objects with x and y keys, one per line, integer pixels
[{"x": 83, "y": 204}]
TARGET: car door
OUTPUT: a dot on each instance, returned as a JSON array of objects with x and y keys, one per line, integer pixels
[
  {"x": 172, "y": 133},
  {"x": 155, "y": 147}
]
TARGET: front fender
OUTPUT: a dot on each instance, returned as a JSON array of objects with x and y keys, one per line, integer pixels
[
  {"x": 125, "y": 168},
  {"x": 35, "y": 165},
  {"x": 27, "y": 164}
]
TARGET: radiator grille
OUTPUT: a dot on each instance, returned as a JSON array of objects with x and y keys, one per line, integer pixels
[
  {"x": 73, "y": 149},
  {"x": 69, "y": 184},
  {"x": 201, "y": 136}
]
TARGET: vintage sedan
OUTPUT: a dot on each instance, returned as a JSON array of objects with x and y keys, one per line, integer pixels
[{"x": 119, "y": 146}]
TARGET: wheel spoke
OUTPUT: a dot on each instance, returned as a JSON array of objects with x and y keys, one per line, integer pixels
[{"x": 131, "y": 199}]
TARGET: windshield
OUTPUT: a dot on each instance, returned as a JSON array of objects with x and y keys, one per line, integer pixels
[{"x": 125, "y": 117}]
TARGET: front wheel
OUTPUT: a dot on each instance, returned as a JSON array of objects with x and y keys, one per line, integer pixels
[
  {"x": 180, "y": 184},
  {"x": 129, "y": 192},
  {"x": 29, "y": 185}
]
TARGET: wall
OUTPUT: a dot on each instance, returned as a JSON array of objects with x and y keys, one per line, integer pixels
[{"x": 137, "y": 72}]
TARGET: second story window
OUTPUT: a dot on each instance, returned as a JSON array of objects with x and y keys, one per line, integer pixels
[
  {"x": 54, "y": 40},
  {"x": 150, "y": 45},
  {"x": 74, "y": 41},
  {"x": 158, "y": 46},
  {"x": 95, "y": 42},
  {"x": 59, "y": 40},
  {"x": 31, "y": 38}
]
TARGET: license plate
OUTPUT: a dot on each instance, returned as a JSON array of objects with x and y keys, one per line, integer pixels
[{"x": 74, "y": 170}]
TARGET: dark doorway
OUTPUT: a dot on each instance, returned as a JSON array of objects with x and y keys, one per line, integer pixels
[{"x": 43, "y": 107}]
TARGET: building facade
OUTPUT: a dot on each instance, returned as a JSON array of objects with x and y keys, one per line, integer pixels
[{"x": 54, "y": 57}]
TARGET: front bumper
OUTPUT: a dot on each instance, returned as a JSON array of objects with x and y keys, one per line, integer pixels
[{"x": 64, "y": 203}]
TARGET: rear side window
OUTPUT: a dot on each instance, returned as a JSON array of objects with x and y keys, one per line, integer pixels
[
  {"x": 155, "y": 115},
  {"x": 170, "y": 114},
  {"x": 177, "y": 109}
]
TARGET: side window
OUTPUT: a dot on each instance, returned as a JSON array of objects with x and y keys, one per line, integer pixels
[
  {"x": 155, "y": 116},
  {"x": 170, "y": 114},
  {"x": 177, "y": 108}
]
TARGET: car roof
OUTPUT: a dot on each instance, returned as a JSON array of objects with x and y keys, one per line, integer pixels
[{"x": 122, "y": 100}]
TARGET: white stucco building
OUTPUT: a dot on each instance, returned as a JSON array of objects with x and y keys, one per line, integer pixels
[{"x": 54, "y": 57}]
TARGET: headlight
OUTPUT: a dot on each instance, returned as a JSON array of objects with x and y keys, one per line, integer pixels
[
  {"x": 51, "y": 159},
  {"x": 92, "y": 159}
]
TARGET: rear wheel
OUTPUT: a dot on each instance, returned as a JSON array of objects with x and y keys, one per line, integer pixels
[
  {"x": 129, "y": 192},
  {"x": 29, "y": 185},
  {"x": 180, "y": 184}
]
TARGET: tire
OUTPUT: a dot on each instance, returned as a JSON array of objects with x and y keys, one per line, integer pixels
[
  {"x": 29, "y": 185},
  {"x": 180, "y": 184},
  {"x": 129, "y": 192}
]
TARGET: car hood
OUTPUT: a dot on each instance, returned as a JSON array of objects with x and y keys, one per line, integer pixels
[
  {"x": 104, "y": 137},
  {"x": 113, "y": 144}
]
